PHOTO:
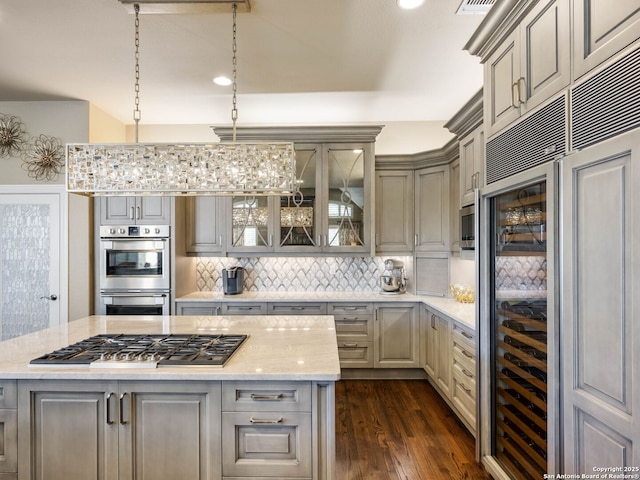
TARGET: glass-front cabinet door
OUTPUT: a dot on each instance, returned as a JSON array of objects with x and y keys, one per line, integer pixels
[
  {"x": 299, "y": 214},
  {"x": 349, "y": 172},
  {"x": 251, "y": 224}
]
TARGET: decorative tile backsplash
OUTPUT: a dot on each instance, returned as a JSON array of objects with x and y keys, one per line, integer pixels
[
  {"x": 521, "y": 273},
  {"x": 299, "y": 274}
]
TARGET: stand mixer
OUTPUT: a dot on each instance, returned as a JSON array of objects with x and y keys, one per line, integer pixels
[{"x": 393, "y": 281}]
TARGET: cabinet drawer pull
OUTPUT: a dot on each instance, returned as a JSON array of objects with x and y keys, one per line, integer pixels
[
  {"x": 266, "y": 421},
  {"x": 350, "y": 308},
  {"x": 349, "y": 345},
  {"x": 466, "y": 354},
  {"x": 123, "y": 421},
  {"x": 468, "y": 390},
  {"x": 297, "y": 308},
  {"x": 350, "y": 319},
  {"x": 464, "y": 370},
  {"x": 262, "y": 396},
  {"x": 466, "y": 335},
  {"x": 109, "y": 418}
]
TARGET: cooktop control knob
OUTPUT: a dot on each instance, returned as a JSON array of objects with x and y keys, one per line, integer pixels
[
  {"x": 157, "y": 231},
  {"x": 122, "y": 231},
  {"x": 147, "y": 230},
  {"x": 112, "y": 231}
]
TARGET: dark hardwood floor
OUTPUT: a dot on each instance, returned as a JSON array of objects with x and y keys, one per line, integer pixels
[{"x": 400, "y": 429}]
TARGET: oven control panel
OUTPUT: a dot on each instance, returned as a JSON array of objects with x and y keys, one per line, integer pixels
[{"x": 134, "y": 231}]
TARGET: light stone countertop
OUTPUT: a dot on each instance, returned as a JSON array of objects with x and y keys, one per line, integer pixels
[
  {"x": 464, "y": 313},
  {"x": 278, "y": 348}
]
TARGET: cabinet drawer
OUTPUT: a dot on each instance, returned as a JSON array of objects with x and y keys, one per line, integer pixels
[
  {"x": 266, "y": 444},
  {"x": 266, "y": 396},
  {"x": 198, "y": 310},
  {"x": 464, "y": 337},
  {"x": 465, "y": 377},
  {"x": 464, "y": 357},
  {"x": 302, "y": 308},
  {"x": 8, "y": 394},
  {"x": 243, "y": 308},
  {"x": 8, "y": 441},
  {"x": 350, "y": 309},
  {"x": 355, "y": 328},
  {"x": 355, "y": 354},
  {"x": 463, "y": 398},
  {"x": 8, "y": 476}
]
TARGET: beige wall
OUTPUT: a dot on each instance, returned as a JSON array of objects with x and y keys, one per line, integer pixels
[{"x": 71, "y": 122}]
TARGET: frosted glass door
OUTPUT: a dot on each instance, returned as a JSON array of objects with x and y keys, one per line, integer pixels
[{"x": 29, "y": 263}]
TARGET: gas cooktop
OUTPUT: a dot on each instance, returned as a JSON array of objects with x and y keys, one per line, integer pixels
[{"x": 145, "y": 351}]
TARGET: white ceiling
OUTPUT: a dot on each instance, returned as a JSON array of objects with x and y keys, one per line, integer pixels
[{"x": 299, "y": 61}]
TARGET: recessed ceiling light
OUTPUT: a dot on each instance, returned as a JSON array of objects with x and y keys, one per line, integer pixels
[
  {"x": 409, "y": 4},
  {"x": 223, "y": 81}
]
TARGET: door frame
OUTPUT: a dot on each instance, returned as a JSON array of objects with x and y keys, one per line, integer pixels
[{"x": 63, "y": 254}]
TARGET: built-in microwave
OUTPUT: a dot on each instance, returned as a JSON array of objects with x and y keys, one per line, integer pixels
[{"x": 467, "y": 228}]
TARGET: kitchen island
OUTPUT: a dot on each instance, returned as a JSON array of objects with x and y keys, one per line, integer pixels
[{"x": 268, "y": 413}]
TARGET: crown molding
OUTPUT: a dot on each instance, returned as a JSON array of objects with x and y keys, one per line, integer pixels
[{"x": 303, "y": 134}]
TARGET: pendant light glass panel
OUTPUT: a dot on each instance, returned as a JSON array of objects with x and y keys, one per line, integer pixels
[{"x": 205, "y": 169}]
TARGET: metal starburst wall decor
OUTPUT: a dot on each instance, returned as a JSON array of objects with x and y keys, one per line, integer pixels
[
  {"x": 12, "y": 135},
  {"x": 43, "y": 159}
]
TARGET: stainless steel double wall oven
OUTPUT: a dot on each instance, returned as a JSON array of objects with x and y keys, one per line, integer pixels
[{"x": 135, "y": 269}]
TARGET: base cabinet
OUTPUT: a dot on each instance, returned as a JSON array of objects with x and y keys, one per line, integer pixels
[
  {"x": 267, "y": 430},
  {"x": 450, "y": 363},
  {"x": 118, "y": 430},
  {"x": 8, "y": 430},
  {"x": 396, "y": 336},
  {"x": 108, "y": 430}
]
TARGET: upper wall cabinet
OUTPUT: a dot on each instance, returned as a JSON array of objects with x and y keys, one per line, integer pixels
[
  {"x": 528, "y": 66},
  {"x": 150, "y": 210},
  {"x": 204, "y": 225},
  {"x": 332, "y": 209},
  {"x": 601, "y": 29},
  {"x": 394, "y": 211},
  {"x": 432, "y": 209},
  {"x": 471, "y": 165}
]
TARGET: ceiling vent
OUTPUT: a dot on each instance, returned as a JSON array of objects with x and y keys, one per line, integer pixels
[
  {"x": 186, "y": 6},
  {"x": 475, "y": 7}
]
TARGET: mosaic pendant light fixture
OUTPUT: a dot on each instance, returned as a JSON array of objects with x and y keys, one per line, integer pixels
[{"x": 229, "y": 168}]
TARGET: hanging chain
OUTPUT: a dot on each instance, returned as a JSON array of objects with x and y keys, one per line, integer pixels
[
  {"x": 136, "y": 111},
  {"x": 234, "y": 109}
]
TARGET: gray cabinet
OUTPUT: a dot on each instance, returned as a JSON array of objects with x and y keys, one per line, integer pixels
[
  {"x": 198, "y": 308},
  {"x": 331, "y": 211},
  {"x": 8, "y": 429},
  {"x": 119, "y": 430},
  {"x": 396, "y": 335},
  {"x": 463, "y": 369},
  {"x": 438, "y": 355},
  {"x": 243, "y": 308},
  {"x": 354, "y": 333},
  {"x": 204, "y": 225},
  {"x": 471, "y": 165},
  {"x": 432, "y": 209},
  {"x": 267, "y": 427},
  {"x": 528, "y": 66},
  {"x": 394, "y": 211},
  {"x": 297, "y": 308},
  {"x": 149, "y": 210},
  {"x": 601, "y": 319},
  {"x": 601, "y": 29}
]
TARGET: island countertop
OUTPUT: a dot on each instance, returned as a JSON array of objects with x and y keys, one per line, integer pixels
[{"x": 278, "y": 348}]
